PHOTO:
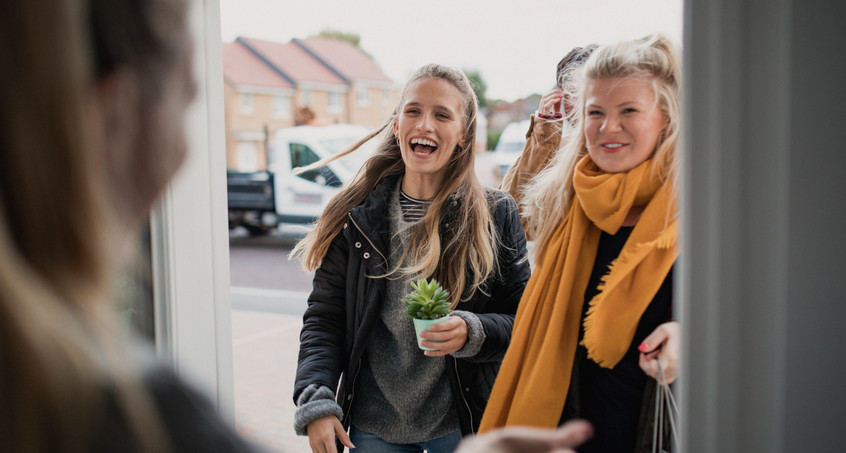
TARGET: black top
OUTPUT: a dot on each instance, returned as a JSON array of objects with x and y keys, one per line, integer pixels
[
  {"x": 611, "y": 398},
  {"x": 190, "y": 420}
]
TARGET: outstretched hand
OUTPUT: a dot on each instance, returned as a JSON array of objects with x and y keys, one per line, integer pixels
[
  {"x": 663, "y": 344},
  {"x": 521, "y": 439}
]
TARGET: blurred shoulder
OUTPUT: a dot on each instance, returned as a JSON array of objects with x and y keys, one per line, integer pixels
[{"x": 191, "y": 420}]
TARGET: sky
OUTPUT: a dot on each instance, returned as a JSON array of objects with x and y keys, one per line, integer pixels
[{"x": 514, "y": 44}]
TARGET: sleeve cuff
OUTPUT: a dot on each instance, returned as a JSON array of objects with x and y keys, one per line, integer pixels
[
  {"x": 315, "y": 402},
  {"x": 475, "y": 335}
]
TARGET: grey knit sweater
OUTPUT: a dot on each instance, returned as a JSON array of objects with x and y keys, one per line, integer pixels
[{"x": 404, "y": 396}]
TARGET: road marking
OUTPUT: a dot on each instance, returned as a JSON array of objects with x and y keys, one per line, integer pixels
[
  {"x": 268, "y": 300},
  {"x": 263, "y": 292},
  {"x": 291, "y": 329}
]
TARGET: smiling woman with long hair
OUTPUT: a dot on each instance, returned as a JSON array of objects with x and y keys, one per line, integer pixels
[
  {"x": 415, "y": 210},
  {"x": 596, "y": 321}
]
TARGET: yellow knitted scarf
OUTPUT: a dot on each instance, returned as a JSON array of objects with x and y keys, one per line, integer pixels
[{"x": 532, "y": 383}]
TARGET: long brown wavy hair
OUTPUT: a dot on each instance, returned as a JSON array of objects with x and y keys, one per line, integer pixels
[
  {"x": 462, "y": 256},
  {"x": 64, "y": 365}
]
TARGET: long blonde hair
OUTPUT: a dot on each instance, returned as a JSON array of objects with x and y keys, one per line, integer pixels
[
  {"x": 63, "y": 359},
  {"x": 461, "y": 257},
  {"x": 654, "y": 58}
]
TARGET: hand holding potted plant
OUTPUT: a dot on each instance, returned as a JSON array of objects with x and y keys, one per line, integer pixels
[{"x": 428, "y": 304}]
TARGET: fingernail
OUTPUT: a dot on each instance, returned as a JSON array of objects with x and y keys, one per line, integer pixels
[
  {"x": 643, "y": 347},
  {"x": 589, "y": 432},
  {"x": 585, "y": 432}
]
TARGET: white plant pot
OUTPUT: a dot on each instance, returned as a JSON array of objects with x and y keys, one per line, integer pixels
[{"x": 421, "y": 325}]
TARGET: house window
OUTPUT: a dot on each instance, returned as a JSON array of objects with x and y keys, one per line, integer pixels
[
  {"x": 247, "y": 103},
  {"x": 386, "y": 97},
  {"x": 281, "y": 107},
  {"x": 306, "y": 97},
  {"x": 247, "y": 156},
  {"x": 362, "y": 96},
  {"x": 336, "y": 103}
]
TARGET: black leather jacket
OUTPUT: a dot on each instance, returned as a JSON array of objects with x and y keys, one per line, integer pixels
[{"x": 345, "y": 304}]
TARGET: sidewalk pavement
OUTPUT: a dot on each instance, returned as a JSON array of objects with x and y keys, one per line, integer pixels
[{"x": 264, "y": 350}]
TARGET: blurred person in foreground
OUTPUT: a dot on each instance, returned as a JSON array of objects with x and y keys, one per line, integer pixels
[
  {"x": 415, "y": 210},
  {"x": 523, "y": 439},
  {"x": 92, "y": 96},
  {"x": 595, "y": 322},
  {"x": 547, "y": 126}
]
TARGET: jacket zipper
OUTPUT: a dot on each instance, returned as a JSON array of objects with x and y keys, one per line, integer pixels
[
  {"x": 461, "y": 392},
  {"x": 366, "y": 237},
  {"x": 358, "y": 368},
  {"x": 352, "y": 394}
]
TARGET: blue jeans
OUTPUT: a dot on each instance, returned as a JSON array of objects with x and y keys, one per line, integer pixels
[{"x": 371, "y": 443}]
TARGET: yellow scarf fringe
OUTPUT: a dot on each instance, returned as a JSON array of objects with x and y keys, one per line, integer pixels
[{"x": 532, "y": 384}]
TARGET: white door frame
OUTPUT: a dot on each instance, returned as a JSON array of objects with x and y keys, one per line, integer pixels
[{"x": 189, "y": 233}]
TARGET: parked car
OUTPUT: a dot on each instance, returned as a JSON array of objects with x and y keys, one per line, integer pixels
[
  {"x": 508, "y": 148},
  {"x": 261, "y": 201}
]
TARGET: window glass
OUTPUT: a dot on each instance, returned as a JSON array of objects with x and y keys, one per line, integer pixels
[
  {"x": 302, "y": 155},
  {"x": 134, "y": 292},
  {"x": 336, "y": 103},
  {"x": 247, "y": 103},
  {"x": 281, "y": 107},
  {"x": 362, "y": 95}
]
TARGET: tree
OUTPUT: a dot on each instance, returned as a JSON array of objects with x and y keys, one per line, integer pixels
[
  {"x": 349, "y": 37},
  {"x": 479, "y": 86}
]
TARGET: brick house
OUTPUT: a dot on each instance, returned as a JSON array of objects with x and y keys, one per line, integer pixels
[
  {"x": 256, "y": 100},
  {"x": 267, "y": 84},
  {"x": 371, "y": 93}
]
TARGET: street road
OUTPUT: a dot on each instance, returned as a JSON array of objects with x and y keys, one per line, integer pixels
[{"x": 262, "y": 278}]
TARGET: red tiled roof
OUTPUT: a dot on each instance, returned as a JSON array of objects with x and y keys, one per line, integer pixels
[
  {"x": 345, "y": 58},
  {"x": 242, "y": 67},
  {"x": 294, "y": 62}
]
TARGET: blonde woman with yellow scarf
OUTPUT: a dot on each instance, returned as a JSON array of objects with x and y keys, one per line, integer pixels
[{"x": 596, "y": 316}]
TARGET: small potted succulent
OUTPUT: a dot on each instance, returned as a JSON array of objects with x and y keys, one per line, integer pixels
[{"x": 428, "y": 304}]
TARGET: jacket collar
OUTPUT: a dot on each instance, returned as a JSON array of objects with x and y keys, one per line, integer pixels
[{"x": 372, "y": 215}]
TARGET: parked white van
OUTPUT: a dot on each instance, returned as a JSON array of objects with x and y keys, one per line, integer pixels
[
  {"x": 509, "y": 147},
  {"x": 261, "y": 201}
]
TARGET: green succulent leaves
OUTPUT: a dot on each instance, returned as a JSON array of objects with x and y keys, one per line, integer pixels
[{"x": 428, "y": 300}]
